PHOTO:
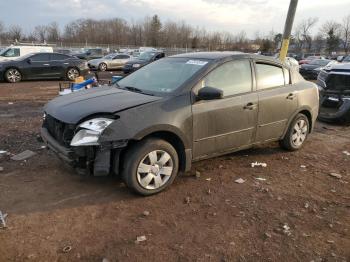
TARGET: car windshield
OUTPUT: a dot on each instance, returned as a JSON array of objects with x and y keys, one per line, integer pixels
[
  {"x": 10, "y": 52},
  {"x": 346, "y": 59},
  {"x": 163, "y": 76},
  {"x": 321, "y": 62},
  {"x": 146, "y": 55}
]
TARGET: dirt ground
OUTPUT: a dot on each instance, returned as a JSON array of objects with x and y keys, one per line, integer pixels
[{"x": 295, "y": 212}]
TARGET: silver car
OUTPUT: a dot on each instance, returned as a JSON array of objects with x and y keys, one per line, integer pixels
[{"x": 111, "y": 61}]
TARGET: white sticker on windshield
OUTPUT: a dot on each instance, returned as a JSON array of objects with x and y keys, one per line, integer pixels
[{"x": 197, "y": 62}]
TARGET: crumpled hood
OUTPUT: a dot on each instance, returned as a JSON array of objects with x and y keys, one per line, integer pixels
[{"x": 73, "y": 107}]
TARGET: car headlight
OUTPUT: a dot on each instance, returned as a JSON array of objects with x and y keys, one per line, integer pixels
[
  {"x": 90, "y": 132},
  {"x": 136, "y": 65}
]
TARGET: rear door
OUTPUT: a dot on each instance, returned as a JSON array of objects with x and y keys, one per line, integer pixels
[
  {"x": 58, "y": 64},
  {"x": 40, "y": 66},
  {"x": 278, "y": 100},
  {"x": 225, "y": 124}
]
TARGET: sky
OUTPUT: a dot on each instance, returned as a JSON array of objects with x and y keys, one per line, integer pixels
[{"x": 219, "y": 15}]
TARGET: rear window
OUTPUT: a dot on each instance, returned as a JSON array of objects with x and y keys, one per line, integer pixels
[
  {"x": 59, "y": 57},
  {"x": 269, "y": 76}
]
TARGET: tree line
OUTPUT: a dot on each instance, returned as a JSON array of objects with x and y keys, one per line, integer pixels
[{"x": 151, "y": 31}]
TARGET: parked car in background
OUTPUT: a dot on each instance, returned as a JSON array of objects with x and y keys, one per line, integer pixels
[
  {"x": 142, "y": 60},
  {"x": 90, "y": 53},
  {"x": 309, "y": 59},
  {"x": 42, "y": 66},
  {"x": 346, "y": 59},
  {"x": 308, "y": 70},
  {"x": 111, "y": 61},
  {"x": 156, "y": 121},
  {"x": 16, "y": 51},
  {"x": 64, "y": 51},
  {"x": 334, "y": 87}
]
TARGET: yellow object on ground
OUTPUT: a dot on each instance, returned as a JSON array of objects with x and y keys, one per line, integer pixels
[{"x": 79, "y": 79}]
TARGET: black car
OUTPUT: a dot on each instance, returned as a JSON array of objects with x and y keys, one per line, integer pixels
[
  {"x": 308, "y": 70},
  {"x": 42, "y": 66},
  {"x": 334, "y": 87},
  {"x": 142, "y": 60},
  {"x": 156, "y": 121}
]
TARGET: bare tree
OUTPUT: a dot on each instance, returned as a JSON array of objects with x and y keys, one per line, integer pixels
[
  {"x": 53, "y": 32},
  {"x": 15, "y": 32},
  {"x": 40, "y": 32},
  {"x": 303, "y": 32},
  {"x": 345, "y": 33},
  {"x": 331, "y": 30}
]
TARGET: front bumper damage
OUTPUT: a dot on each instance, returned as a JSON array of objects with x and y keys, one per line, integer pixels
[{"x": 99, "y": 160}]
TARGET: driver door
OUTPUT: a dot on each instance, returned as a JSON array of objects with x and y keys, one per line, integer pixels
[
  {"x": 229, "y": 123},
  {"x": 40, "y": 66}
]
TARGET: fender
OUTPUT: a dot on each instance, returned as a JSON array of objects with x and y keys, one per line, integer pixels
[{"x": 304, "y": 108}]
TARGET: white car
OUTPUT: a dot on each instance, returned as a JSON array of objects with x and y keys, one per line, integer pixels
[
  {"x": 292, "y": 62},
  {"x": 15, "y": 51}
]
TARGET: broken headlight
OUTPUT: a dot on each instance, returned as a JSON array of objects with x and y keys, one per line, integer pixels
[{"x": 90, "y": 131}]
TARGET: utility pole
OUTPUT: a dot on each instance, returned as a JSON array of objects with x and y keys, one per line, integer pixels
[{"x": 288, "y": 29}]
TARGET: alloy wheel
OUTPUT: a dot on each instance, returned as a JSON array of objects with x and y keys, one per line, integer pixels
[
  {"x": 72, "y": 74},
  {"x": 155, "y": 169},
  {"x": 103, "y": 67},
  {"x": 13, "y": 75},
  {"x": 300, "y": 131}
]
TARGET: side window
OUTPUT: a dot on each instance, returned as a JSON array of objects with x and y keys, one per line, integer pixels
[
  {"x": 232, "y": 78},
  {"x": 269, "y": 76},
  {"x": 58, "y": 57},
  {"x": 40, "y": 58},
  {"x": 12, "y": 52}
]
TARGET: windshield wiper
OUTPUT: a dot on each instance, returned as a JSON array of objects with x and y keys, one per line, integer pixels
[{"x": 135, "y": 89}]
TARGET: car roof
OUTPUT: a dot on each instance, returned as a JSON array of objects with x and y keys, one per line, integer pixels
[{"x": 223, "y": 55}]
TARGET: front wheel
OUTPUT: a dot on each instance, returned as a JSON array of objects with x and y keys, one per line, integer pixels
[
  {"x": 72, "y": 74},
  {"x": 102, "y": 67},
  {"x": 150, "y": 166},
  {"x": 297, "y": 133},
  {"x": 13, "y": 75}
]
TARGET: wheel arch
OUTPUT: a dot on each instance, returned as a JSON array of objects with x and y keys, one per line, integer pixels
[{"x": 305, "y": 111}]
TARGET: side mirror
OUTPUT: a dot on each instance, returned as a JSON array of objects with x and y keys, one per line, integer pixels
[
  {"x": 29, "y": 61},
  {"x": 210, "y": 93}
]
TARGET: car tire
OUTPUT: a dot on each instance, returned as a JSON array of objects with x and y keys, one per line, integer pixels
[
  {"x": 297, "y": 133},
  {"x": 102, "y": 67},
  {"x": 150, "y": 166},
  {"x": 13, "y": 75},
  {"x": 72, "y": 73}
]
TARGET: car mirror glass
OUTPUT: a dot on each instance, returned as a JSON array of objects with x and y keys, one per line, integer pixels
[{"x": 210, "y": 93}]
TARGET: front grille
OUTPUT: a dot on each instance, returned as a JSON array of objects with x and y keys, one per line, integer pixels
[{"x": 62, "y": 132}]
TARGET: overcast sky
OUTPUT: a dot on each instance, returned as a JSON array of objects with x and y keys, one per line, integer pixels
[{"x": 222, "y": 15}]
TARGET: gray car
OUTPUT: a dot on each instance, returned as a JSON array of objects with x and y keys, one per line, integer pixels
[
  {"x": 156, "y": 121},
  {"x": 111, "y": 61}
]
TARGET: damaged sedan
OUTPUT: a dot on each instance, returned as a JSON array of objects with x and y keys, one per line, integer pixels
[{"x": 155, "y": 122}]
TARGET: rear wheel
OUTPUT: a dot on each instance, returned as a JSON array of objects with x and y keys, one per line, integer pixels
[
  {"x": 297, "y": 133},
  {"x": 72, "y": 73},
  {"x": 13, "y": 75},
  {"x": 102, "y": 67},
  {"x": 150, "y": 166}
]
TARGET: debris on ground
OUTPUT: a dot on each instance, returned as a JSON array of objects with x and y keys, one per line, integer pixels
[
  {"x": 336, "y": 175},
  {"x": 10, "y": 103},
  {"x": 347, "y": 153},
  {"x": 239, "y": 181},
  {"x": 267, "y": 235},
  {"x": 198, "y": 174},
  {"x": 3, "y": 152},
  {"x": 140, "y": 239},
  {"x": 66, "y": 249},
  {"x": 208, "y": 179},
  {"x": 302, "y": 166},
  {"x": 23, "y": 156},
  {"x": 260, "y": 178},
  {"x": 258, "y": 164},
  {"x": 306, "y": 205},
  {"x": 286, "y": 230},
  {"x": 187, "y": 200},
  {"x": 146, "y": 213},
  {"x": 2, "y": 220}
]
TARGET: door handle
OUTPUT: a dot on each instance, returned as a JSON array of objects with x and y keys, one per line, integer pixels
[
  {"x": 46, "y": 64},
  {"x": 250, "y": 106},
  {"x": 291, "y": 96}
]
